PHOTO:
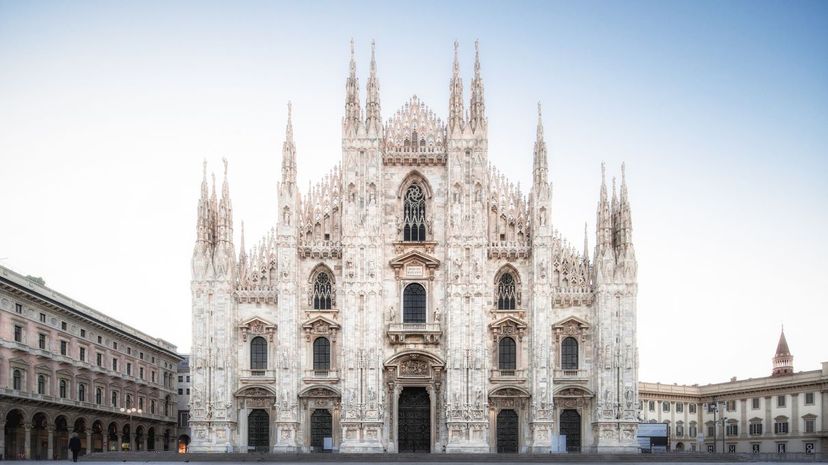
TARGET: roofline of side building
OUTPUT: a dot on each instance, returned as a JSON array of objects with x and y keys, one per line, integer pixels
[{"x": 17, "y": 283}]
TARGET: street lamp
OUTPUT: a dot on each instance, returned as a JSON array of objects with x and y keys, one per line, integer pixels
[{"x": 131, "y": 411}]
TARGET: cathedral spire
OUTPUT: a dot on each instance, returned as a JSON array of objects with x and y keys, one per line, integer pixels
[
  {"x": 373, "y": 120},
  {"x": 225, "y": 212},
  {"x": 212, "y": 212},
  {"x": 352, "y": 107},
  {"x": 539, "y": 167},
  {"x": 603, "y": 222},
  {"x": 456, "y": 111},
  {"x": 477, "y": 105},
  {"x": 289, "y": 152},
  {"x": 586, "y": 243},
  {"x": 624, "y": 222},
  {"x": 203, "y": 221}
]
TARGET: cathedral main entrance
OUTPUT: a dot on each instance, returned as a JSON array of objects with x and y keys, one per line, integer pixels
[
  {"x": 414, "y": 420},
  {"x": 571, "y": 427},
  {"x": 507, "y": 431},
  {"x": 321, "y": 428},
  {"x": 258, "y": 431}
]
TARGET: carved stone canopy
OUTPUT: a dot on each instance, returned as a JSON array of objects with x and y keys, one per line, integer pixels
[
  {"x": 319, "y": 391},
  {"x": 254, "y": 391},
  {"x": 572, "y": 326},
  {"x": 572, "y": 392},
  {"x": 414, "y": 265},
  {"x": 508, "y": 326},
  {"x": 413, "y": 365},
  {"x": 509, "y": 391},
  {"x": 320, "y": 326},
  {"x": 257, "y": 327}
]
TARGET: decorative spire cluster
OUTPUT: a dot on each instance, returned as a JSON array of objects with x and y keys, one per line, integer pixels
[
  {"x": 614, "y": 246},
  {"x": 456, "y": 119},
  {"x": 214, "y": 252},
  {"x": 353, "y": 111},
  {"x": 477, "y": 107},
  {"x": 355, "y": 122}
]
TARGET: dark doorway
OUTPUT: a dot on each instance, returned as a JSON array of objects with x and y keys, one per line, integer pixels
[
  {"x": 321, "y": 428},
  {"x": 258, "y": 431},
  {"x": 571, "y": 427},
  {"x": 414, "y": 420},
  {"x": 507, "y": 431}
]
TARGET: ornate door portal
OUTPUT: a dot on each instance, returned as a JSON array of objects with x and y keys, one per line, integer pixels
[
  {"x": 258, "y": 431},
  {"x": 507, "y": 431},
  {"x": 414, "y": 421},
  {"x": 571, "y": 427}
]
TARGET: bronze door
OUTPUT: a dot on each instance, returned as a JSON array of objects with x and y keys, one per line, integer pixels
[
  {"x": 507, "y": 431},
  {"x": 258, "y": 431},
  {"x": 414, "y": 421},
  {"x": 321, "y": 428},
  {"x": 571, "y": 427}
]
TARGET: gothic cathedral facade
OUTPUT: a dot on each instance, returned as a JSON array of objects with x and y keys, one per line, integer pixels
[{"x": 414, "y": 300}]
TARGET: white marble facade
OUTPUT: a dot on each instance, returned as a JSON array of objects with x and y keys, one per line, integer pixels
[{"x": 414, "y": 299}]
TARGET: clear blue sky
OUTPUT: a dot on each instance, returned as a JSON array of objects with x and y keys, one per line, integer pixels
[{"x": 719, "y": 109}]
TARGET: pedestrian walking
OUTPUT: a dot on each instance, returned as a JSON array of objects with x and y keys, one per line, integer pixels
[{"x": 74, "y": 446}]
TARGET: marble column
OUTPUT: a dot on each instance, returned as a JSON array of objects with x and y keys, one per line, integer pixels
[{"x": 89, "y": 440}]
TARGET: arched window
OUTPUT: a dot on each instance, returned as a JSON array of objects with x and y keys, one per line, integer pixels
[
  {"x": 167, "y": 406},
  {"x": 17, "y": 380},
  {"x": 507, "y": 354},
  {"x": 128, "y": 400},
  {"x": 414, "y": 304},
  {"x": 114, "y": 398},
  {"x": 41, "y": 384},
  {"x": 322, "y": 291},
  {"x": 414, "y": 218},
  {"x": 82, "y": 392},
  {"x": 506, "y": 292},
  {"x": 99, "y": 396},
  {"x": 321, "y": 354},
  {"x": 62, "y": 388},
  {"x": 258, "y": 354},
  {"x": 569, "y": 354}
]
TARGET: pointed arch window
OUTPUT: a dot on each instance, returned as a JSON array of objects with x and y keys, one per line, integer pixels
[
  {"x": 414, "y": 304},
  {"x": 414, "y": 211},
  {"x": 321, "y": 355},
  {"x": 258, "y": 354},
  {"x": 322, "y": 291},
  {"x": 507, "y": 355},
  {"x": 506, "y": 292},
  {"x": 569, "y": 354}
]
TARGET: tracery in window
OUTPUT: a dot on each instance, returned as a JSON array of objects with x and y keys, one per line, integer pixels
[
  {"x": 322, "y": 291},
  {"x": 506, "y": 292},
  {"x": 414, "y": 209}
]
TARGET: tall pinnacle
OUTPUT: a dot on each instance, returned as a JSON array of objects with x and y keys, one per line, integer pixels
[
  {"x": 203, "y": 221},
  {"x": 373, "y": 120},
  {"x": 540, "y": 167},
  {"x": 586, "y": 243},
  {"x": 225, "y": 217},
  {"x": 456, "y": 112},
  {"x": 477, "y": 105},
  {"x": 352, "y": 107},
  {"x": 783, "y": 359},
  {"x": 289, "y": 153},
  {"x": 603, "y": 222}
]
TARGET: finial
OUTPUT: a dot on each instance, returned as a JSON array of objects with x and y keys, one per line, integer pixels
[
  {"x": 224, "y": 160},
  {"x": 540, "y": 122},
  {"x": 477, "y": 57},
  {"x": 353, "y": 60},
  {"x": 623, "y": 174},
  {"x": 204, "y": 170},
  {"x": 603, "y": 173}
]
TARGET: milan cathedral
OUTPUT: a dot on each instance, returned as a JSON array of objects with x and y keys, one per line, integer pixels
[{"x": 414, "y": 300}]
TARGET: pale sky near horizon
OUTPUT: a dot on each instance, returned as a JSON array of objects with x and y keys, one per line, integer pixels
[{"x": 719, "y": 109}]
